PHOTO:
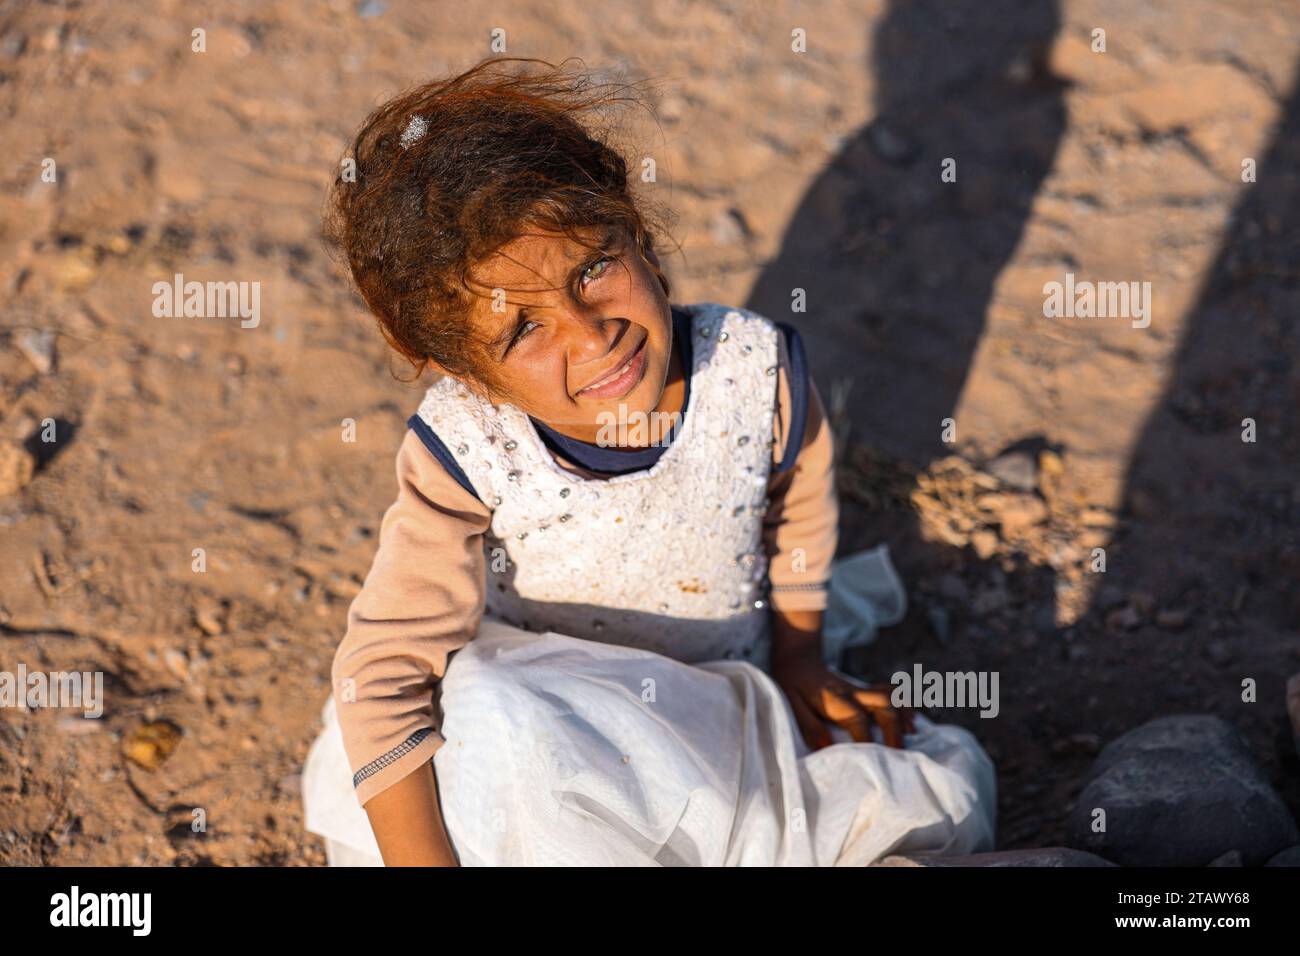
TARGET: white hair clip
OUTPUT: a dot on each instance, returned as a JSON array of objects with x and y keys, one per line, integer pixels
[{"x": 416, "y": 127}]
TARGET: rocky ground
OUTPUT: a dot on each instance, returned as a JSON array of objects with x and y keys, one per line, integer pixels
[{"x": 816, "y": 171}]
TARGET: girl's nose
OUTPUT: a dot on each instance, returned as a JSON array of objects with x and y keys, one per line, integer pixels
[{"x": 589, "y": 337}]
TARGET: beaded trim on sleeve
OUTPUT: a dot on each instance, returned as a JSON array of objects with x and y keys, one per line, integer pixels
[{"x": 390, "y": 758}]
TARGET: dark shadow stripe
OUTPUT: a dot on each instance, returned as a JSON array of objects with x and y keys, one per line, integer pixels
[{"x": 798, "y": 395}]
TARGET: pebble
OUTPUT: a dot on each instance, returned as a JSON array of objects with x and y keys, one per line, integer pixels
[
  {"x": 17, "y": 466},
  {"x": 985, "y": 543},
  {"x": 150, "y": 744},
  {"x": 38, "y": 347},
  {"x": 1016, "y": 469},
  {"x": 176, "y": 662},
  {"x": 1123, "y": 619},
  {"x": 208, "y": 618},
  {"x": 1173, "y": 619},
  {"x": 891, "y": 145}
]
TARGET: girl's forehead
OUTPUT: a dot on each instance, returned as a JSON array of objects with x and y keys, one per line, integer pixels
[{"x": 539, "y": 261}]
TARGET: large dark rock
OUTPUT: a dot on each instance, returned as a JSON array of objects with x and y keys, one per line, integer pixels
[
  {"x": 1039, "y": 856},
  {"x": 1288, "y": 857},
  {"x": 1180, "y": 791}
]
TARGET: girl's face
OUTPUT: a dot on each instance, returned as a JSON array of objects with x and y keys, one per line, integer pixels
[{"x": 577, "y": 335}]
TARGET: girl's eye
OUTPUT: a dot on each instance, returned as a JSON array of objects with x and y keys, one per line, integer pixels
[
  {"x": 525, "y": 327},
  {"x": 603, "y": 262}
]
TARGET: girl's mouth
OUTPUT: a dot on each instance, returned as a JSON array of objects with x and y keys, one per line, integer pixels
[{"x": 622, "y": 380}]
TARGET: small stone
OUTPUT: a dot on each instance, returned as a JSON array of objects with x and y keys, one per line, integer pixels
[
  {"x": 1173, "y": 619},
  {"x": 1050, "y": 463},
  {"x": 1123, "y": 619},
  {"x": 891, "y": 145},
  {"x": 150, "y": 744},
  {"x": 1142, "y": 602},
  {"x": 208, "y": 618},
  {"x": 1015, "y": 512},
  {"x": 75, "y": 271},
  {"x": 730, "y": 228},
  {"x": 1017, "y": 469},
  {"x": 1096, "y": 518},
  {"x": 985, "y": 543},
  {"x": 17, "y": 466},
  {"x": 177, "y": 663},
  {"x": 37, "y": 346}
]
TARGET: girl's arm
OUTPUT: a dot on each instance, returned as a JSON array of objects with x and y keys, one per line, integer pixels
[
  {"x": 801, "y": 526},
  {"x": 408, "y": 822},
  {"x": 422, "y": 600},
  {"x": 800, "y": 538}
]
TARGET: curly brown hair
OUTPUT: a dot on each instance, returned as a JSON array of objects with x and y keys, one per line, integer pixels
[{"x": 511, "y": 145}]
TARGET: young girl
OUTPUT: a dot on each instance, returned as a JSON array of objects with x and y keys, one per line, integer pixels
[{"x": 592, "y": 633}]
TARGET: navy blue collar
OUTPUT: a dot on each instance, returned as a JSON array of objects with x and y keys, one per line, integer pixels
[{"x": 612, "y": 461}]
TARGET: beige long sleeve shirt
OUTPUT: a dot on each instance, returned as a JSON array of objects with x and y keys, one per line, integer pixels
[{"x": 425, "y": 593}]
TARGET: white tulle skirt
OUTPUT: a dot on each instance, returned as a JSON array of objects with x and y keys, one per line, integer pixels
[{"x": 562, "y": 751}]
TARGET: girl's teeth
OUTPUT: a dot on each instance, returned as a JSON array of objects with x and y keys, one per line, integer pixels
[{"x": 611, "y": 377}]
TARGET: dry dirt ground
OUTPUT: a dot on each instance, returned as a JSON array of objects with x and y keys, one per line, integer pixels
[{"x": 817, "y": 170}]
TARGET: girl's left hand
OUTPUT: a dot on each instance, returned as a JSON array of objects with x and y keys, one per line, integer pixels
[{"x": 818, "y": 694}]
